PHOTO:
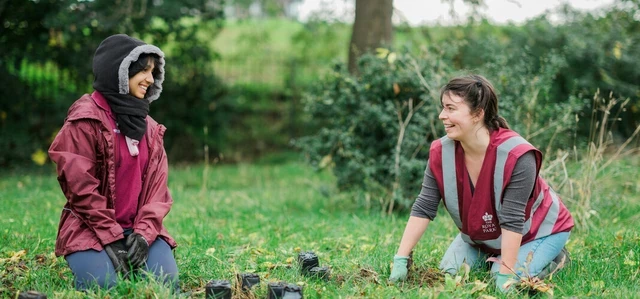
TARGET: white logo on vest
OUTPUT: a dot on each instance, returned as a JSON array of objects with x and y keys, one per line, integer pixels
[{"x": 488, "y": 226}]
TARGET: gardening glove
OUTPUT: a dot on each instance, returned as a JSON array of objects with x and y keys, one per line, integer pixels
[
  {"x": 399, "y": 271},
  {"x": 502, "y": 279},
  {"x": 118, "y": 255},
  {"x": 138, "y": 250}
]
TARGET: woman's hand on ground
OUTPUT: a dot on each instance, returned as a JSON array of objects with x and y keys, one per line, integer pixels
[
  {"x": 503, "y": 284},
  {"x": 399, "y": 271}
]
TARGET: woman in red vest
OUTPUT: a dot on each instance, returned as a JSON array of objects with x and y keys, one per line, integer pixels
[{"x": 488, "y": 179}]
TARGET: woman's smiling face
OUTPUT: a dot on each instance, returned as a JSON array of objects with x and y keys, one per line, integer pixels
[
  {"x": 459, "y": 122},
  {"x": 140, "y": 82}
]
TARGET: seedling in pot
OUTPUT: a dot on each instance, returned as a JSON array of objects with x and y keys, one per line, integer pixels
[
  {"x": 218, "y": 289},
  {"x": 248, "y": 280},
  {"x": 308, "y": 260},
  {"x": 292, "y": 291},
  {"x": 319, "y": 272},
  {"x": 275, "y": 290}
]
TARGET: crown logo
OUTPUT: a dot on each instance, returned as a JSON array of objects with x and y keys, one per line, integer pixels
[{"x": 487, "y": 217}]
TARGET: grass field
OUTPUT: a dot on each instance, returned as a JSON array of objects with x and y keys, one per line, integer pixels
[{"x": 256, "y": 218}]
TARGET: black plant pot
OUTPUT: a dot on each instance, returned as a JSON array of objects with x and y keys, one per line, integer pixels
[
  {"x": 31, "y": 295},
  {"x": 319, "y": 272},
  {"x": 292, "y": 291},
  {"x": 275, "y": 290},
  {"x": 218, "y": 289},
  {"x": 307, "y": 260},
  {"x": 248, "y": 280}
]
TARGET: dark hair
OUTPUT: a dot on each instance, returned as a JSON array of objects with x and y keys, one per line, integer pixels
[
  {"x": 142, "y": 62},
  {"x": 478, "y": 93}
]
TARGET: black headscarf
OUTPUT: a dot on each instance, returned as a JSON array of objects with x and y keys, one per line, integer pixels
[{"x": 111, "y": 64}]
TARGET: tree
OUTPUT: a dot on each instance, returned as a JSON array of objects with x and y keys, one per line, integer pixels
[{"x": 372, "y": 28}]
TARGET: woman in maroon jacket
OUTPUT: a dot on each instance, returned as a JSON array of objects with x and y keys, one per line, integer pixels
[{"x": 112, "y": 168}]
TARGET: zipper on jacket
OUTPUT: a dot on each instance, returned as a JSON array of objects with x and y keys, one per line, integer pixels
[
  {"x": 115, "y": 146},
  {"x": 150, "y": 156},
  {"x": 110, "y": 199}
]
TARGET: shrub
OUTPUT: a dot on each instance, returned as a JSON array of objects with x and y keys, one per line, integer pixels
[{"x": 375, "y": 129}]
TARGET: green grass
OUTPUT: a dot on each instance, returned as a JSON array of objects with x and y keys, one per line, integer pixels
[{"x": 256, "y": 218}]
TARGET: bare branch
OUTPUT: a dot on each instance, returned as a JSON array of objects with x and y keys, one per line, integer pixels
[{"x": 515, "y": 2}]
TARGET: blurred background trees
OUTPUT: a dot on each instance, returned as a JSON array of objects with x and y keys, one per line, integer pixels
[
  {"x": 247, "y": 79},
  {"x": 47, "y": 49}
]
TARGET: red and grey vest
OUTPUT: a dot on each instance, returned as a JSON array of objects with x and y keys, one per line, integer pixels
[{"x": 477, "y": 215}]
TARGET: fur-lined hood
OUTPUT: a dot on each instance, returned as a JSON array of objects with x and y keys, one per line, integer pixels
[{"x": 112, "y": 60}]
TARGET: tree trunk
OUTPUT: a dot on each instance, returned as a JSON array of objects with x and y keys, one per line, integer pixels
[{"x": 371, "y": 29}]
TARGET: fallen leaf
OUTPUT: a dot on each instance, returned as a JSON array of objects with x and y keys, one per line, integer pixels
[
  {"x": 210, "y": 251},
  {"x": 15, "y": 257},
  {"x": 478, "y": 286}
]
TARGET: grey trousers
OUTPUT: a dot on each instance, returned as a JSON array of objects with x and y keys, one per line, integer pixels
[{"x": 94, "y": 268}]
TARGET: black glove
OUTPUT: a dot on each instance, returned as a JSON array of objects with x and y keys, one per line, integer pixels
[
  {"x": 138, "y": 250},
  {"x": 117, "y": 252}
]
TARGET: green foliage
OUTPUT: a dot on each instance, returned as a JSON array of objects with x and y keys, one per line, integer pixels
[
  {"x": 543, "y": 70},
  {"x": 30, "y": 107},
  {"x": 374, "y": 129},
  {"x": 524, "y": 87},
  {"x": 599, "y": 52},
  {"x": 252, "y": 120},
  {"x": 50, "y": 45},
  {"x": 585, "y": 53}
]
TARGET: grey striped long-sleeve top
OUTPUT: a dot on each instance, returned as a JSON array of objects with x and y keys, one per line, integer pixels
[{"x": 515, "y": 196}]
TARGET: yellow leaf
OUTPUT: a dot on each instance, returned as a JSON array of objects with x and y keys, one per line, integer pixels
[
  {"x": 289, "y": 260},
  {"x": 297, "y": 249},
  {"x": 382, "y": 52},
  {"x": 629, "y": 262},
  {"x": 617, "y": 50},
  {"x": 210, "y": 251},
  {"x": 392, "y": 58},
  {"x": 367, "y": 247},
  {"x": 542, "y": 288},
  {"x": 396, "y": 88},
  {"x": 326, "y": 160},
  {"x": 478, "y": 286},
  {"x": 15, "y": 257},
  {"x": 39, "y": 157},
  {"x": 597, "y": 284}
]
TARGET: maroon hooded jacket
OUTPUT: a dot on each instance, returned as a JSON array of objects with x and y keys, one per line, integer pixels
[{"x": 84, "y": 153}]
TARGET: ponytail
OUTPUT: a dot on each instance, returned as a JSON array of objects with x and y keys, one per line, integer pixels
[{"x": 498, "y": 122}]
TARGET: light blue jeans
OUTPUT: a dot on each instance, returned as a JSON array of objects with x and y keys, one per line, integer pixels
[
  {"x": 91, "y": 268},
  {"x": 544, "y": 251}
]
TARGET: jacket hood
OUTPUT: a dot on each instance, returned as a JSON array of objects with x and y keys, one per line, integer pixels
[{"x": 112, "y": 60}]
